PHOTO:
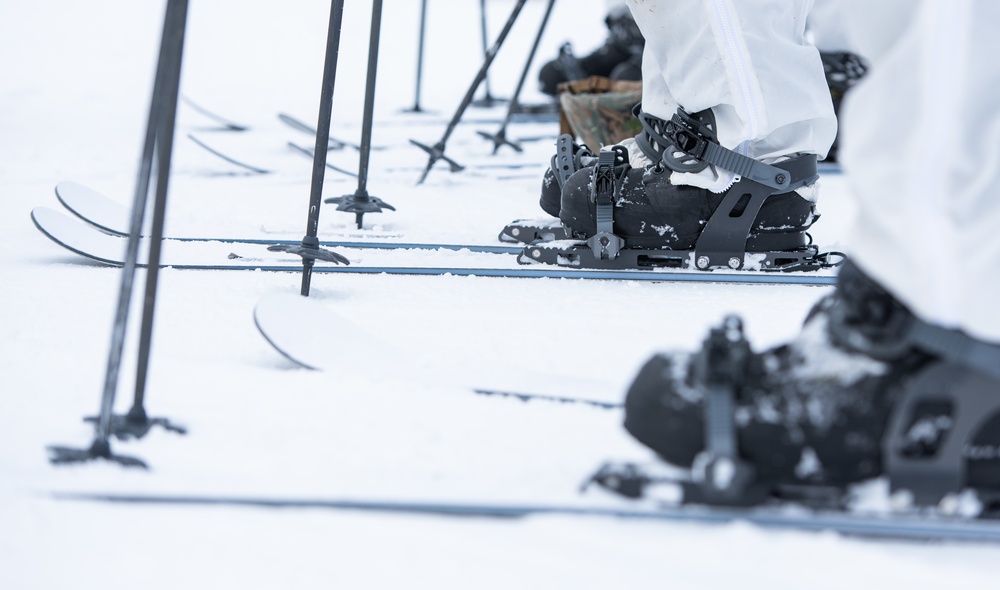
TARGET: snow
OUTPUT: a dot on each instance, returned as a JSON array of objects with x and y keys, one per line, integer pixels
[{"x": 73, "y": 99}]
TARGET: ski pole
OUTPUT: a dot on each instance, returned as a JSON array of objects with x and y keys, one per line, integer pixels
[
  {"x": 137, "y": 422},
  {"x": 361, "y": 202},
  {"x": 309, "y": 248},
  {"x": 420, "y": 57},
  {"x": 487, "y": 100},
  {"x": 500, "y": 137},
  {"x": 436, "y": 151},
  {"x": 174, "y": 19}
]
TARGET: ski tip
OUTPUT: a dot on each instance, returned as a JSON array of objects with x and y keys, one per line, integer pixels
[{"x": 268, "y": 316}]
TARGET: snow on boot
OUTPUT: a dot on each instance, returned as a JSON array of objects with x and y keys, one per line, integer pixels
[{"x": 865, "y": 389}]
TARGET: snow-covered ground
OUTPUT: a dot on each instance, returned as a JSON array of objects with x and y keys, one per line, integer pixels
[{"x": 75, "y": 79}]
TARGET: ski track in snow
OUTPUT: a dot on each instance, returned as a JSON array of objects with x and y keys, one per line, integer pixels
[{"x": 73, "y": 103}]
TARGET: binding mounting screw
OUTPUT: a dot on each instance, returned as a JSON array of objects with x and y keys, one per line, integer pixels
[
  {"x": 734, "y": 262},
  {"x": 702, "y": 262},
  {"x": 780, "y": 179}
]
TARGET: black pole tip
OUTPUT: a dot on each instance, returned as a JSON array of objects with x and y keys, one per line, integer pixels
[
  {"x": 100, "y": 449},
  {"x": 136, "y": 424},
  {"x": 500, "y": 139}
]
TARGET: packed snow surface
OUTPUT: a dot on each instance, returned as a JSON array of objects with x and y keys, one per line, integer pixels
[{"x": 75, "y": 83}]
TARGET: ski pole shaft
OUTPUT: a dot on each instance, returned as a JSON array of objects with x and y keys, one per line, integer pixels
[
  {"x": 420, "y": 55},
  {"x": 176, "y": 12},
  {"x": 366, "y": 124},
  {"x": 482, "y": 21},
  {"x": 481, "y": 75},
  {"x": 531, "y": 57},
  {"x": 164, "y": 151},
  {"x": 323, "y": 128}
]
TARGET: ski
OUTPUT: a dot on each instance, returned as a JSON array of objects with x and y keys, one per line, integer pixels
[
  {"x": 906, "y": 528},
  {"x": 539, "y": 168},
  {"x": 456, "y": 260},
  {"x": 111, "y": 217},
  {"x": 829, "y": 168},
  {"x": 315, "y": 336},
  {"x": 222, "y": 156},
  {"x": 226, "y": 124},
  {"x": 299, "y": 125},
  {"x": 382, "y": 258},
  {"x": 309, "y": 152},
  {"x": 560, "y": 399}
]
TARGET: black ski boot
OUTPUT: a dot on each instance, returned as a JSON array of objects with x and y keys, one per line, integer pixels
[
  {"x": 866, "y": 389},
  {"x": 637, "y": 218},
  {"x": 617, "y": 59},
  {"x": 843, "y": 70},
  {"x": 651, "y": 212}
]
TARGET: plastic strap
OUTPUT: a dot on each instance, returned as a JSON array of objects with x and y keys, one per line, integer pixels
[
  {"x": 723, "y": 241},
  {"x": 720, "y": 369},
  {"x": 721, "y": 359},
  {"x": 604, "y": 188},
  {"x": 950, "y": 344},
  {"x": 956, "y": 346},
  {"x": 687, "y": 135}
]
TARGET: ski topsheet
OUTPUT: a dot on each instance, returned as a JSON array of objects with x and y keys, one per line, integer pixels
[
  {"x": 111, "y": 217},
  {"x": 405, "y": 259},
  {"x": 873, "y": 526},
  {"x": 315, "y": 336}
]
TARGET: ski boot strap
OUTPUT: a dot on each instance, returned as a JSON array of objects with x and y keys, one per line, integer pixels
[
  {"x": 689, "y": 143},
  {"x": 656, "y": 145},
  {"x": 893, "y": 330},
  {"x": 719, "y": 474},
  {"x": 608, "y": 175},
  {"x": 568, "y": 158}
]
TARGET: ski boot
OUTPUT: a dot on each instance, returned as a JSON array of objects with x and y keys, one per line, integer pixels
[
  {"x": 569, "y": 158},
  {"x": 843, "y": 70},
  {"x": 866, "y": 389},
  {"x": 618, "y": 59},
  {"x": 635, "y": 218}
]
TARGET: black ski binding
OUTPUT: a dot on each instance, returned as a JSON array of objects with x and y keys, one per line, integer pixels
[
  {"x": 726, "y": 242},
  {"x": 625, "y": 479},
  {"x": 569, "y": 158},
  {"x": 961, "y": 374},
  {"x": 527, "y": 231}
]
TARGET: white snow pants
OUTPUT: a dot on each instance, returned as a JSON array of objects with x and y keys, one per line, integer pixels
[
  {"x": 921, "y": 145},
  {"x": 747, "y": 60},
  {"x": 920, "y": 135}
]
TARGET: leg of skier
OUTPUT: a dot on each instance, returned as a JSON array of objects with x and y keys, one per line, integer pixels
[
  {"x": 898, "y": 370},
  {"x": 742, "y": 78},
  {"x": 842, "y": 63}
]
